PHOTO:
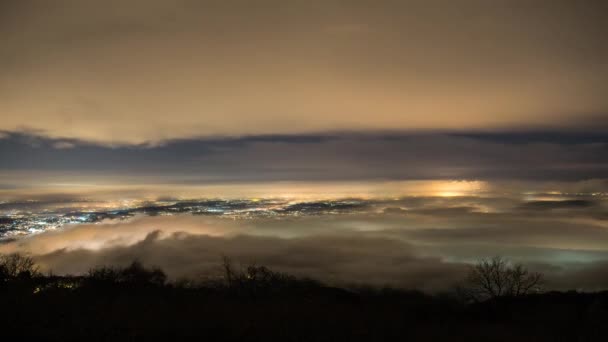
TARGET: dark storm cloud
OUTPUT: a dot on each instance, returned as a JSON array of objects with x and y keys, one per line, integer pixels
[
  {"x": 322, "y": 157},
  {"x": 147, "y": 71}
]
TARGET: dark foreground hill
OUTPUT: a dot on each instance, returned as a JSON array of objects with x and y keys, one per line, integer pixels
[{"x": 135, "y": 303}]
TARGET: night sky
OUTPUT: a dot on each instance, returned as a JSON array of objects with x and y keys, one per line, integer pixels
[{"x": 487, "y": 122}]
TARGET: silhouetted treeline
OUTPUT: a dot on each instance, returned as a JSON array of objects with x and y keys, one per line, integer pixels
[{"x": 257, "y": 304}]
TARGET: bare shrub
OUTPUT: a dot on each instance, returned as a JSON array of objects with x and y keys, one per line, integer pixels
[
  {"x": 496, "y": 277},
  {"x": 14, "y": 266}
]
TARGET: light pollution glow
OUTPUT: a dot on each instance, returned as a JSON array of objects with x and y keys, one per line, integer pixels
[
  {"x": 456, "y": 129},
  {"x": 287, "y": 190},
  {"x": 97, "y": 70}
]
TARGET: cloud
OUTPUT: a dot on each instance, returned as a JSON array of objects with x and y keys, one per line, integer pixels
[
  {"x": 592, "y": 276},
  {"x": 115, "y": 233},
  {"x": 187, "y": 246},
  {"x": 397, "y": 156},
  {"x": 419, "y": 246},
  {"x": 337, "y": 260},
  {"x": 556, "y": 205},
  {"x": 148, "y": 72},
  {"x": 63, "y": 145}
]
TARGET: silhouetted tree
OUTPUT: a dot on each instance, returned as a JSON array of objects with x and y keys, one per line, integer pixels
[
  {"x": 256, "y": 280},
  {"x": 254, "y": 303},
  {"x": 134, "y": 275},
  {"x": 230, "y": 276},
  {"x": 17, "y": 266},
  {"x": 496, "y": 277}
]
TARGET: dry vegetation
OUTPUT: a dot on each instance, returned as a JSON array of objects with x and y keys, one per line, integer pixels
[{"x": 498, "y": 301}]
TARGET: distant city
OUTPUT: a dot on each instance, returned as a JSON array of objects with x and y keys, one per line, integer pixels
[
  {"x": 21, "y": 218},
  {"x": 30, "y": 217}
]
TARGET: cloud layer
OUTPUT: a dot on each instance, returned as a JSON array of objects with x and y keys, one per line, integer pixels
[
  {"x": 533, "y": 156},
  {"x": 422, "y": 243},
  {"x": 148, "y": 71}
]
